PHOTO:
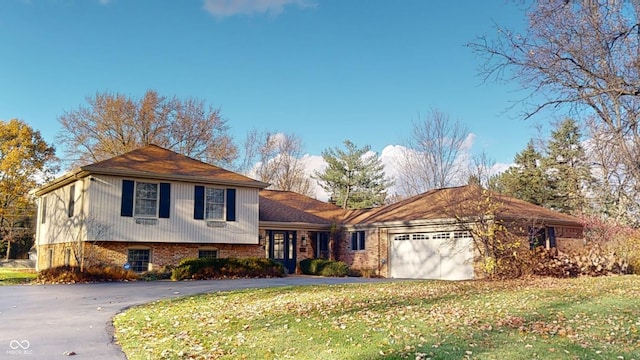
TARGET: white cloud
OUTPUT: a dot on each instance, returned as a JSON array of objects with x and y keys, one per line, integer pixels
[{"x": 228, "y": 8}]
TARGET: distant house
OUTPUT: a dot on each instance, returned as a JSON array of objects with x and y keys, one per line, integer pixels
[{"x": 151, "y": 208}]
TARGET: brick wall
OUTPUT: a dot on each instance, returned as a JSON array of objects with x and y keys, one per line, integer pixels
[
  {"x": 116, "y": 253},
  {"x": 374, "y": 257}
]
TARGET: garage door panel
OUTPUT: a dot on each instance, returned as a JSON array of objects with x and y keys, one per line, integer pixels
[{"x": 431, "y": 257}]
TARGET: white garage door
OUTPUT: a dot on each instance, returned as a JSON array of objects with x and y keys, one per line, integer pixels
[{"x": 442, "y": 255}]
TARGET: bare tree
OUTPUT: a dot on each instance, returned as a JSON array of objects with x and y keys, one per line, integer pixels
[
  {"x": 431, "y": 157},
  {"x": 581, "y": 57},
  {"x": 112, "y": 124},
  {"x": 276, "y": 158},
  {"x": 615, "y": 194},
  {"x": 480, "y": 170}
]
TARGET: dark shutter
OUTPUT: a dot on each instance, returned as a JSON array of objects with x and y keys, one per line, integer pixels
[
  {"x": 231, "y": 204},
  {"x": 165, "y": 200},
  {"x": 354, "y": 240},
  {"x": 126, "y": 205},
  {"x": 361, "y": 242},
  {"x": 198, "y": 203}
]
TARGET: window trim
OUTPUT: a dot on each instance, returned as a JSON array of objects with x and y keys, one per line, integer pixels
[
  {"x": 224, "y": 204},
  {"x": 135, "y": 200},
  {"x": 149, "y": 258},
  {"x": 358, "y": 240},
  {"x": 217, "y": 253}
]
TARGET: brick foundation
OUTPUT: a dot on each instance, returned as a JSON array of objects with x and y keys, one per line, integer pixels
[{"x": 116, "y": 253}]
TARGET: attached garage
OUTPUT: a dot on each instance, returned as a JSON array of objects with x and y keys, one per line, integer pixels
[{"x": 431, "y": 255}]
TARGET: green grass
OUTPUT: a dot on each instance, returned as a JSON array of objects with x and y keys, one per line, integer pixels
[
  {"x": 16, "y": 276},
  {"x": 586, "y": 318}
]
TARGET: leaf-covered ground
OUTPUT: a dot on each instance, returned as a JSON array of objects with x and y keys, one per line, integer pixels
[{"x": 585, "y": 318}]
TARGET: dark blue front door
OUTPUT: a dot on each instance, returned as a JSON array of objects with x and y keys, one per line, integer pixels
[{"x": 282, "y": 248}]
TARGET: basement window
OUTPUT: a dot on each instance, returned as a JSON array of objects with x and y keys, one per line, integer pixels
[{"x": 139, "y": 259}]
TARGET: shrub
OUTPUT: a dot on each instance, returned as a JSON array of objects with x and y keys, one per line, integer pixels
[
  {"x": 323, "y": 267},
  {"x": 72, "y": 274},
  {"x": 200, "y": 269},
  {"x": 159, "y": 274}
]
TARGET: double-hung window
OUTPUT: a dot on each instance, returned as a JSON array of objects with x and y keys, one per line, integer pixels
[
  {"x": 146, "y": 201},
  {"x": 214, "y": 204},
  {"x": 142, "y": 199}
]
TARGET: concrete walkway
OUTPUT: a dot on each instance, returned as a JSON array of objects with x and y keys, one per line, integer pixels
[{"x": 53, "y": 321}]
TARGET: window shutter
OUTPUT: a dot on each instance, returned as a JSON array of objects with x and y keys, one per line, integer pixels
[
  {"x": 126, "y": 205},
  {"x": 198, "y": 203},
  {"x": 231, "y": 204},
  {"x": 354, "y": 240},
  {"x": 165, "y": 200},
  {"x": 361, "y": 240}
]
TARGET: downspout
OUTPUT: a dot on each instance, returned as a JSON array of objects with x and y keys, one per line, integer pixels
[
  {"x": 379, "y": 252},
  {"x": 82, "y": 227}
]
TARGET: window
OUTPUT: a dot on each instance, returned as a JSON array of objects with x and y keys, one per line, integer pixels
[
  {"x": 72, "y": 200},
  {"x": 214, "y": 204},
  {"x": 420, "y": 237},
  {"x": 67, "y": 257},
  {"x": 401, "y": 237},
  {"x": 146, "y": 201},
  {"x": 545, "y": 237},
  {"x": 208, "y": 254},
  {"x": 461, "y": 235},
  {"x": 357, "y": 240},
  {"x": 44, "y": 210},
  {"x": 441, "y": 236},
  {"x": 142, "y": 199},
  {"x": 139, "y": 259}
]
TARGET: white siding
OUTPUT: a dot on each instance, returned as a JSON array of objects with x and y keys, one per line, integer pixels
[
  {"x": 58, "y": 227},
  {"x": 104, "y": 206}
]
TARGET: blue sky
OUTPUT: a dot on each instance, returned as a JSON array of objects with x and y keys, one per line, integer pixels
[{"x": 325, "y": 70}]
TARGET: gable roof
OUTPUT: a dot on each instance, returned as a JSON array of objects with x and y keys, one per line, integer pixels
[
  {"x": 441, "y": 204},
  {"x": 290, "y": 207},
  {"x": 155, "y": 162}
]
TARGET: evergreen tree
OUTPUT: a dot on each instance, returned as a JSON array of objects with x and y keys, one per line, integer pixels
[
  {"x": 567, "y": 169},
  {"x": 526, "y": 180},
  {"x": 354, "y": 177}
]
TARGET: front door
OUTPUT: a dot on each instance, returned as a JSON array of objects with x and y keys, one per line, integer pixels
[{"x": 282, "y": 248}]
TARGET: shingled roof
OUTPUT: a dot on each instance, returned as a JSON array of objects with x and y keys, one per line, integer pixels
[
  {"x": 290, "y": 207},
  {"x": 155, "y": 162},
  {"x": 444, "y": 203}
]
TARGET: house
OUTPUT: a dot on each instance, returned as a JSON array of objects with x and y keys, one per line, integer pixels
[
  {"x": 429, "y": 236},
  {"x": 148, "y": 208},
  {"x": 151, "y": 207}
]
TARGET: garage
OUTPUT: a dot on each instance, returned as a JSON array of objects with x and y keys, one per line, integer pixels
[{"x": 431, "y": 255}]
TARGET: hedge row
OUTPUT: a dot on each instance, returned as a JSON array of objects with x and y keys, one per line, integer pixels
[
  {"x": 199, "y": 269},
  {"x": 324, "y": 267}
]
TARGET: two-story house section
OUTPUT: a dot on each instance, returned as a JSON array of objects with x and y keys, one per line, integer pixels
[{"x": 148, "y": 208}]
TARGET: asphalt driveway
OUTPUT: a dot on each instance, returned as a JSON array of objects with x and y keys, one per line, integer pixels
[{"x": 74, "y": 321}]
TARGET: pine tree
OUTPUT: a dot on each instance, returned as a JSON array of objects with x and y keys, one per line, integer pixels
[
  {"x": 527, "y": 179},
  {"x": 567, "y": 169},
  {"x": 354, "y": 178}
]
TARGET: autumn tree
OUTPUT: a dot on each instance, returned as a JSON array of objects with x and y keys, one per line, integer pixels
[
  {"x": 111, "y": 124},
  {"x": 354, "y": 177},
  {"x": 26, "y": 160},
  {"x": 567, "y": 169},
  {"x": 580, "y": 57},
  {"x": 276, "y": 158},
  {"x": 431, "y": 156}
]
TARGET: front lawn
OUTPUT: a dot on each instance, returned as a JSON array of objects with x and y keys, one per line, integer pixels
[
  {"x": 585, "y": 318},
  {"x": 10, "y": 276}
]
